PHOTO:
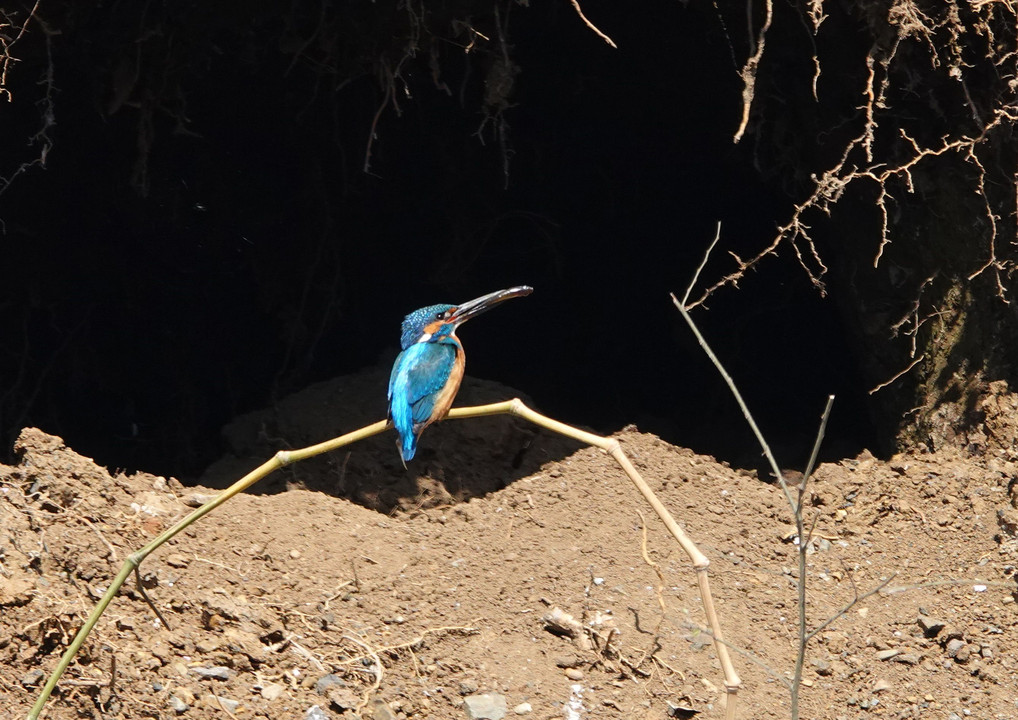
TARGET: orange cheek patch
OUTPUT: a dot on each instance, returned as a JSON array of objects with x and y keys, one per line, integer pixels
[{"x": 433, "y": 327}]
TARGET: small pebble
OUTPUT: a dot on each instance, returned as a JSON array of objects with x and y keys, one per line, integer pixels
[
  {"x": 836, "y": 641},
  {"x": 177, "y": 560},
  {"x": 33, "y": 678},
  {"x": 217, "y": 672},
  {"x": 822, "y": 667},
  {"x": 315, "y": 713},
  {"x": 908, "y": 658},
  {"x": 381, "y": 711},
  {"x": 488, "y": 706},
  {"x": 342, "y": 699},
  {"x": 271, "y": 691},
  {"x": 206, "y": 646},
  {"x": 574, "y": 674},
  {"x": 523, "y": 708},
  {"x": 197, "y": 499},
  {"x": 888, "y": 654},
  {"x": 217, "y": 702},
  {"x": 931, "y": 627},
  {"x": 325, "y": 682},
  {"x": 177, "y": 705},
  {"x": 881, "y": 685},
  {"x": 965, "y": 653}
]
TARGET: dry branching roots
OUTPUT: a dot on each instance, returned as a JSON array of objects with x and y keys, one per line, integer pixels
[{"x": 938, "y": 96}]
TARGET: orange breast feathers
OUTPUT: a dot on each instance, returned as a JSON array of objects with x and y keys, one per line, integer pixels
[{"x": 448, "y": 393}]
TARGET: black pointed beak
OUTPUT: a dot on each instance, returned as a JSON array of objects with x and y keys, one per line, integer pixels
[{"x": 475, "y": 307}]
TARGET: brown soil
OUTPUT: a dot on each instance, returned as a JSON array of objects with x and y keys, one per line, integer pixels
[{"x": 409, "y": 590}]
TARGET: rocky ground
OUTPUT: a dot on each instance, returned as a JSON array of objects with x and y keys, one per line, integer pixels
[{"x": 348, "y": 586}]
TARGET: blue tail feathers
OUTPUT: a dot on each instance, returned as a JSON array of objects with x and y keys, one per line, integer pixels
[{"x": 408, "y": 447}]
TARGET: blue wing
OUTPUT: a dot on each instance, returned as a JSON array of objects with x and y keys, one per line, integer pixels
[{"x": 418, "y": 375}]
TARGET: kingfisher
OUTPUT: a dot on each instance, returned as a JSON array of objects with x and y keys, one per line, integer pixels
[{"x": 428, "y": 372}]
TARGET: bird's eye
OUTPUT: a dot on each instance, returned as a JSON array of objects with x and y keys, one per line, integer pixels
[{"x": 444, "y": 315}]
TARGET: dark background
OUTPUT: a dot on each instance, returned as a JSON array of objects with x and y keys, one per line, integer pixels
[{"x": 203, "y": 238}]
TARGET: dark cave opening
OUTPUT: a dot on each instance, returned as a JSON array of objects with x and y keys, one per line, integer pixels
[{"x": 261, "y": 258}]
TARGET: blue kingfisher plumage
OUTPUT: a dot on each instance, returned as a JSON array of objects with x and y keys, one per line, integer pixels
[{"x": 428, "y": 372}]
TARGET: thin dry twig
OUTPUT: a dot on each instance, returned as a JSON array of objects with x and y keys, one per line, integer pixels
[
  {"x": 113, "y": 551},
  {"x": 856, "y": 599},
  {"x": 410, "y": 644},
  {"x": 795, "y": 684},
  {"x": 684, "y": 312},
  {"x": 804, "y": 539},
  {"x": 147, "y": 599},
  {"x": 703, "y": 263},
  {"x": 749, "y": 71},
  {"x": 304, "y": 652},
  {"x": 379, "y": 672},
  {"x": 6, "y": 59},
  {"x": 591, "y": 25},
  {"x": 897, "y": 375},
  {"x": 659, "y": 590}
]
